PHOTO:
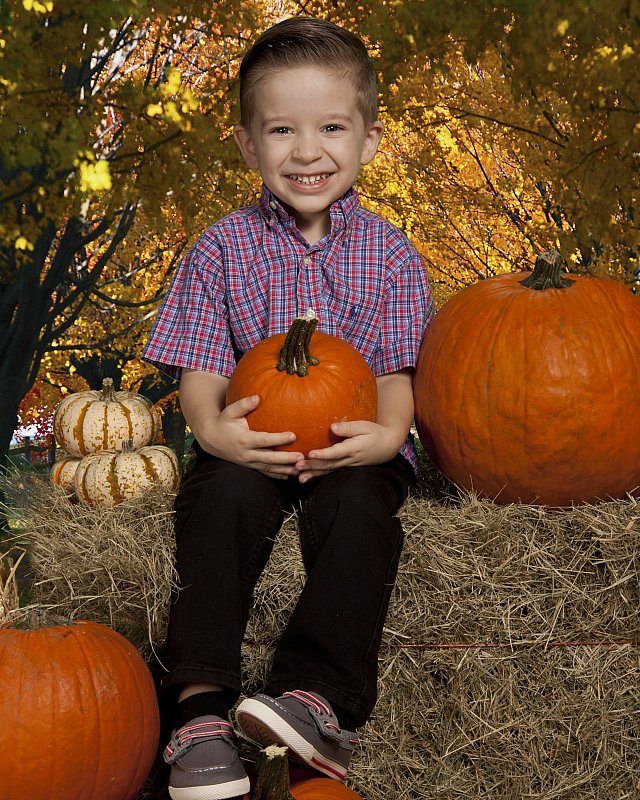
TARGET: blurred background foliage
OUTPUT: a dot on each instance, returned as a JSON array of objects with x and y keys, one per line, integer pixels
[{"x": 511, "y": 128}]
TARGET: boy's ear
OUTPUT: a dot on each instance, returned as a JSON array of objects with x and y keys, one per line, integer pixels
[
  {"x": 245, "y": 143},
  {"x": 371, "y": 142}
]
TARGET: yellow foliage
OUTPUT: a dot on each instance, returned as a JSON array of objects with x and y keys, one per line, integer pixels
[
  {"x": 22, "y": 243},
  {"x": 171, "y": 112},
  {"x": 38, "y": 7},
  {"x": 95, "y": 177},
  {"x": 172, "y": 84}
]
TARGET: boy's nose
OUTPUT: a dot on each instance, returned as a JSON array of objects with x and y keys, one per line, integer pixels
[{"x": 307, "y": 149}]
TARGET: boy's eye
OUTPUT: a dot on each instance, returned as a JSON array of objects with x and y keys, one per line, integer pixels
[
  {"x": 333, "y": 128},
  {"x": 281, "y": 130}
]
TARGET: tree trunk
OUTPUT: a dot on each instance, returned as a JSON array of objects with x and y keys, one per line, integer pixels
[
  {"x": 8, "y": 423},
  {"x": 156, "y": 387},
  {"x": 174, "y": 427}
]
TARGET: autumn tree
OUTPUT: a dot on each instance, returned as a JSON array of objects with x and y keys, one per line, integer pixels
[
  {"x": 519, "y": 118},
  {"x": 108, "y": 111},
  {"x": 510, "y": 127}
]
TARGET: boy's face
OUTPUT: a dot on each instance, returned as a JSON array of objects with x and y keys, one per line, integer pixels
[{"x": 308, "y": 139}]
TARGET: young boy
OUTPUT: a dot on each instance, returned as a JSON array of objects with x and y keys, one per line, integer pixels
[{"x": 308, "y": 122}]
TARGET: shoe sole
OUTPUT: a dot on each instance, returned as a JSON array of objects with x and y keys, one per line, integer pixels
[
  {"x": 264, "y": 726},
  {"x": 213, "y": 792}
]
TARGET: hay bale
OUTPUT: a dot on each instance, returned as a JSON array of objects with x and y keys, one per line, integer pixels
[
  {"x": 9, "y": 593},
  {"x": 510, "y": 662},
  {"x": 113, "y": 566},
  {"x": 495, "y": 677}
]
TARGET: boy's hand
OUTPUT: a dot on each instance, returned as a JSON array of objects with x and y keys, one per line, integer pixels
[
  {"x": 364, "y": 443},
  {"x": 225, "y": 432},
  {"x": 228, "y": 435}
]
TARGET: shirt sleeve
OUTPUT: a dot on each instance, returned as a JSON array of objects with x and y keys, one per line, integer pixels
[
  {"x": 192, "y": 327},
  {"x": 408, "y": 309}
]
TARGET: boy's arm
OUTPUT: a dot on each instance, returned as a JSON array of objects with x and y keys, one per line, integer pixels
[
  {"x": 224, "y": 432},
  {"x": 395, "y": 409},
  {"x": 369, "y": 442}
]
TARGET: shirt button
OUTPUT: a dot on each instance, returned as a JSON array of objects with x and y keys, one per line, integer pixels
[
  {"x": 306, "y": 260},
  {"x": 273, "y": 205}
]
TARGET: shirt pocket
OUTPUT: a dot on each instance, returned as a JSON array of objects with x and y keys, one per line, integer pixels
[{"x": 355, "y": 305}]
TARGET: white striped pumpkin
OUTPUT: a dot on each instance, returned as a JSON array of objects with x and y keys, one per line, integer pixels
[
  {"x": 63, "y": 471},
  {"x": 97, "y": 420},
  {"x": 107, "y": 479}
]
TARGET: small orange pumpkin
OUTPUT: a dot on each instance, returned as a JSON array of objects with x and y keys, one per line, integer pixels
[
  {"x": 323, "y": 789},
  {"x": 305, "y": 384},
  {"x": 273, "y": 781},
  {"x": 80, "y": 717}
]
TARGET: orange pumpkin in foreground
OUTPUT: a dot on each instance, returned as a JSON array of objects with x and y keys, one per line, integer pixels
[
  {"x": 323, "y": 789},
  {"x": 273, "y": 781},
  {"x": 306, "y": 381},
  {"x": 80, "y": 718},
  {"x": 527, "y": 387}
]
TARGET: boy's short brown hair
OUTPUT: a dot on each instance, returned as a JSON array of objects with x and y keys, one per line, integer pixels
[{"x": 308, "y": 41}]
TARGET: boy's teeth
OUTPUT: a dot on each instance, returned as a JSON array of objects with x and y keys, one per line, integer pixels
[{"x": 308, "y": 179}]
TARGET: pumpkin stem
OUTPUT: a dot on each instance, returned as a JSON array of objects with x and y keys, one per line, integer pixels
[
  {"x": 273, "y": 774},
  {"x": 34, "y": 619},
  {"x": 295, "y": 355},
  {"x": 127, "y": 446},
  {"x": 108, "y": 392},
  {"x": 546, "y": 273}
]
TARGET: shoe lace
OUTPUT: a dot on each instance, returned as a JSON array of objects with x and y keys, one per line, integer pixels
[
  {"x": 308, "y": 699},
  {"x": 322, "y": 710},
  {"x": 185, "y": 738}
]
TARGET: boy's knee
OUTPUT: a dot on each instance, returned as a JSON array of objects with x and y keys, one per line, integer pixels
[
  {"x": 368, "y": 488},
  {"x": 223, "y": 484},
  {"x": 360, "y": 494}
]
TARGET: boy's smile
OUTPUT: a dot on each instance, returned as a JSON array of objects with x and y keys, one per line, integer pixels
[{"x": 308, "y": 138}]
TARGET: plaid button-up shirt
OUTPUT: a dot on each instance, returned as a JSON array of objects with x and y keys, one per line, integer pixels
[{"x": 252, "y": 272}]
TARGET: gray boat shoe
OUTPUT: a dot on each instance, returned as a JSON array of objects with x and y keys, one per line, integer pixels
[
  {"x": 204, "y": 760},
  {"x": 305, "y": 723}
]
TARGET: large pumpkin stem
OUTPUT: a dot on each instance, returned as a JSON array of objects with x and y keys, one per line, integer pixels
[
  {"x": 108, "y": 392},
  {"x": 273, "y": 774},
  {"x": 295, "y": 356},
  {"x": 33, "y": 619},
  {"x": 546, "y": 273}
]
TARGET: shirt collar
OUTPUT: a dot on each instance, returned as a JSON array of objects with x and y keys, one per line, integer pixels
[{"x": 341, "y": 212}]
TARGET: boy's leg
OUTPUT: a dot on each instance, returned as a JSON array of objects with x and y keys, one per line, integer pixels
[
  {"x": 351, "y": 543},
  {"x": 226, "y": 520}
]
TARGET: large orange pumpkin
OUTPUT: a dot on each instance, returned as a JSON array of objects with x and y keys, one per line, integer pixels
[
  {"x": 79, "y": 714},
  {"x": 306, "y": 381},
  {"x": 527, "y": 387}
]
